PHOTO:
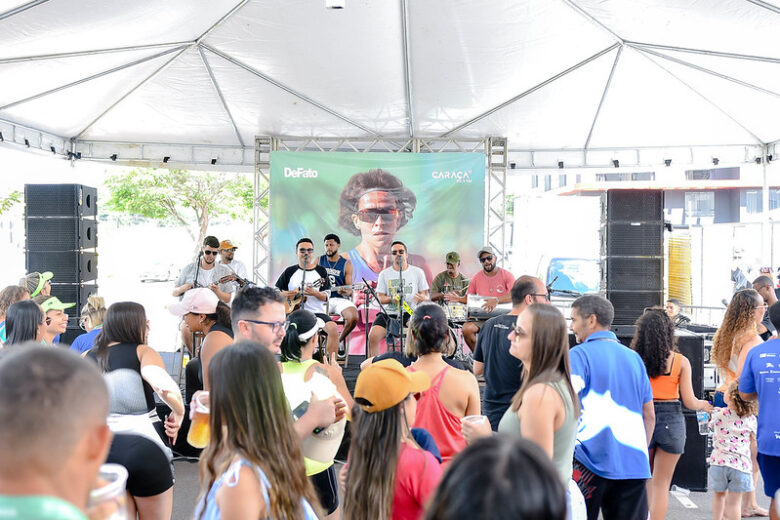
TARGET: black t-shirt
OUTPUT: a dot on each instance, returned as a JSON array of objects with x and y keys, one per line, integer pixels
[{"x": 503, "y": 372}]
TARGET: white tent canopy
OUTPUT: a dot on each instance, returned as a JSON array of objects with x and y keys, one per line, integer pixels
[{"x": 580, "y": 81}]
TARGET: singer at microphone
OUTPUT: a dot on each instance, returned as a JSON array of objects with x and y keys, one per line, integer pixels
[{"x": 204, "y": 271}]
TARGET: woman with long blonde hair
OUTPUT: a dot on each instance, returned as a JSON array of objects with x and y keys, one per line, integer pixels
[
  {"x": 91, "y": 321},
  {"x": 736, "y": 336},
  {"x": 253, "y": 466}
]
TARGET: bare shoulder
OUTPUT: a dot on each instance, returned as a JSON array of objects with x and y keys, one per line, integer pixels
[
  {"x": 244, "y": 499},
  {"x": 542, "y": 393}
]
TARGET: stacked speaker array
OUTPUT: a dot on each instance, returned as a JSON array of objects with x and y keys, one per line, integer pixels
[
  {"x": 61, "y": 237},
  {"x": 632, "y": 256}
]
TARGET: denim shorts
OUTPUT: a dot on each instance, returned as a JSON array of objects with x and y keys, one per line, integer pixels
[
  {"x": 724, "y": 478},
  {"x": 669, "y": 433}
]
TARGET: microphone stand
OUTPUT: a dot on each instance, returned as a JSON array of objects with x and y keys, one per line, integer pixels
[
  {"x": 370, "y": 292},
  {"x": 197, "y": 270},
  {"x": 401, "y": 299},
  {"x": 303, "y": 280}
]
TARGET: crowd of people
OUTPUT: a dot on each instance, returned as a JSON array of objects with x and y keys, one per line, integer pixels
[{"x": 558, "y": 432}]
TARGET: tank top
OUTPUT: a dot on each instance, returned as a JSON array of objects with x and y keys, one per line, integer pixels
[
  {"x": 360, "y": 268},
  {"x": 441, "y": 423},
  {"x": 129, "y": 393},
  {"x": 230, "y": 478},
  {"x": 214, "y": 328},
  {"x": 563, "y": 439},
  {"x": 336, "y": 273},
  {"x": 667, "y": 386}
]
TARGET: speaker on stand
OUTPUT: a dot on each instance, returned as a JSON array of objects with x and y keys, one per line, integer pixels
[{"x": 61, "y": 237}]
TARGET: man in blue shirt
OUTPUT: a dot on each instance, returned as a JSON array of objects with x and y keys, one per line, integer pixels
[
  {"x": 760, "y": 379},
  {"x": 611, "y": 463}
]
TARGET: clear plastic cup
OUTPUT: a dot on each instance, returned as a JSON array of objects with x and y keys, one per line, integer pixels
[
  {"x": 108, "y": 500},
  {"x": 198, "y": 436},
  {"x": 703, "y": 418},
  {"x": 475, "y": 419}
]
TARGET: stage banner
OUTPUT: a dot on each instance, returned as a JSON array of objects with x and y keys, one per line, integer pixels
[{"x": 433, "y": 202}]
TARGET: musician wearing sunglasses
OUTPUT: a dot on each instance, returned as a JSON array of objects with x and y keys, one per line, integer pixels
[
  {"x": 307, "y": 273},
  {"x": 493, "y": 283},
  {"x": 207, "y": 270},
  {"x": 374, "y": 205}
]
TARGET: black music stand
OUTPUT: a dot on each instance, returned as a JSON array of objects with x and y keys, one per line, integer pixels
[{"x": 369, "y": 292}]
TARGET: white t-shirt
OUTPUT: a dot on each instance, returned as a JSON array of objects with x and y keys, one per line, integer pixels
[{"x": 388, "y": 283}]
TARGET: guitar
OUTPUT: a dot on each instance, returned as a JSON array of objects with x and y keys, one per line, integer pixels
[
  {"x": 352, "y": 287},
  {"x": 296, "y": 301},
  {"x": 233, "y": 278}
]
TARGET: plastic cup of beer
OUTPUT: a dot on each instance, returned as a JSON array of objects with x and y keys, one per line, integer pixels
[
  {"x": 198, "y": 436},
  {"x": 108, "y": 500},
  {"x": 475, "y": 419}
]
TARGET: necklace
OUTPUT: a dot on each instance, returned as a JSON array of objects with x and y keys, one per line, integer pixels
[{"x": 333, "y": 265}]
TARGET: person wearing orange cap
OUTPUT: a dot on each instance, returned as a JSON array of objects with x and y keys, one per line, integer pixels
[
  {"x": 386, "y": 403},
  {"x": 227, "y": 251}
]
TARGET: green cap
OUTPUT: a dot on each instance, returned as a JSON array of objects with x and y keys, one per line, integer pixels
[
  {"x": 42, "y": 279},
  {"x": 54, "y": 304},
  {"x": 452, "y": 258}
]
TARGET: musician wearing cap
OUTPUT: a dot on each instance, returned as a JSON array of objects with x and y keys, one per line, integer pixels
[
  {"x": 237, "y": 268},
  {"x": 207, "y": 271},
  {"x": 449, "y": 281},
  {"x": 493, "y": 284},
  {"x": 56, "y": 317},
  {"x": 306, "y": 285}
]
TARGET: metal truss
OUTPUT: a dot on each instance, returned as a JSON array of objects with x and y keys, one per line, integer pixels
[{"x": 494, "y": 148}]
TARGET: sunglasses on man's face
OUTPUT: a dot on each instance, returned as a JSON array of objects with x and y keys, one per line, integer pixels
[
  {"x": 210, "y": 252},
  {"x": 398, "y": 252},
  {"x": 370, "y": 215},
  {"x": 307, "y": 250},
  {"x": 488, "y": 258}
]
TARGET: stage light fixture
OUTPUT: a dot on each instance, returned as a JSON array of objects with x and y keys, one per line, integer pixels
[
  {"x": 213, "y": 161},
  {"x": 113, "y": 157},
  {"x": 668, "y": 162},
  {"x": 616, "y": 163},
  {"x": 512, "y": 165},
  {"x": 1, "y": 137},
  {"x": 53, "y": 150},
  {"x": 560, "y": 165},
  {"x": 78, "y": 155},
  {"x": 758, "y": 160},
  {"x": 27, "y": 143},
  {"x": 715, "y": 161},
  {"x": 166, "y": 158},
  {"x": 769, "y": 158},
  {"x": 335, "y": 4}
]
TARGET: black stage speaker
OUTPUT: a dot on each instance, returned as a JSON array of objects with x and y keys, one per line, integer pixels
[
  {"x": 61, "y": 237},
  {"x": 632, "y": 257},
  {"x": 691, "y": 471},
  {"x": 691, "y": 346}
]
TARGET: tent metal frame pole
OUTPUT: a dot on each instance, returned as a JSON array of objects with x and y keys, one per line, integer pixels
[
  {"x": 703, "y": 52},
  {"x": 765, "y": 5},
  {"x": 136, "y": 87},
  {"x": 20, "y": 9},
  {"x": 594, "y": 21},
  {"x": 707, "y": 71},
  {"x": 93, "y": 52},
  {"x": 287, "y": 89},
  {"x": 222, "y": 20},
  {"x": 88, "y": 78},
  {"x": 765, "y": 221},
  {"x": 220, "y": 95},
  {"x": 705, "y": 98},
  {"x": 531, "y": 90},
  {"x": 407, "y": 53},
  {"x": 603, "y": 97},
  {"x": 494, "y": 148}
]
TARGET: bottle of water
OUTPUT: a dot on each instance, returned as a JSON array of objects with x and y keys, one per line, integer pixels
[{"x": 703, "y": 419}]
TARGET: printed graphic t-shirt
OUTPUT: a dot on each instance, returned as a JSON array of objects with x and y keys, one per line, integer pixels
[
  {"x": 761, "y": 374},
  {"x": 731, "y": 439},
  {"x": 612, "y": 384},
  {"x": 389, "y": 283}
]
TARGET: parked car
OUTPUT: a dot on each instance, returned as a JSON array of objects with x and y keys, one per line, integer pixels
[{"x": 159, "y": 272}]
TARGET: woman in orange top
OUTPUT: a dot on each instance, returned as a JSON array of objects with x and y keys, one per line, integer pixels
[
  {"x": 730, "y": 346},
  {"x": 670, "y": 379}
]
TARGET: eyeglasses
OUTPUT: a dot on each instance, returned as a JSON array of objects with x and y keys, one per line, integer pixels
[
  {"x": 762, "y": 306},
  {"x": 210, "y": 252},
  {"x": 484, "y": 259},
  {"x": 398, "y": 252},
  {"x": 370, "y": 215},
  {"x": 518, "y": 331},
  {"x": 546, "y": 296},
  {"x": 83, "y": 322},
  {"x": 309, "y": 250},
  {"x": 276, "y": 326}
]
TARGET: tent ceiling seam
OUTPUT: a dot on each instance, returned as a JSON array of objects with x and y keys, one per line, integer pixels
[
  {"x": 765, "y": 5},
  {"x": 719, "y": 54},
  {"x": 143, "y": 81},
  {"x": 220, "y": 95},
  {"x": 593, "y": 20},
  {"x": 407, "y": 54},
  {"x": 710, "y": 71},
  {"x": 21, "y": 9},
  {"x": 705, "y": 98},
  {"x": 88, "y": 78},
  {"x": 284, "y": 87},
  {"x": 603, "y": 96},
  {"x": 531, "y": 90},
  {"x": 93, "y": 52}
]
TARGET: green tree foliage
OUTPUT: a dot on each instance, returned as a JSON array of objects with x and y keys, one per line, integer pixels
[
  {"x": 187, "y": 198},
  {"x": 9, "y": 200}
]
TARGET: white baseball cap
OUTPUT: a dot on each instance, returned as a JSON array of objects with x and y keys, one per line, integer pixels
[{"x": 198, "y": 301}]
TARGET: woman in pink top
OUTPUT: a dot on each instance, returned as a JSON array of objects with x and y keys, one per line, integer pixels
[
  {"x": 388, "y": 474},
  {"x": 454, "y": 393}
]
